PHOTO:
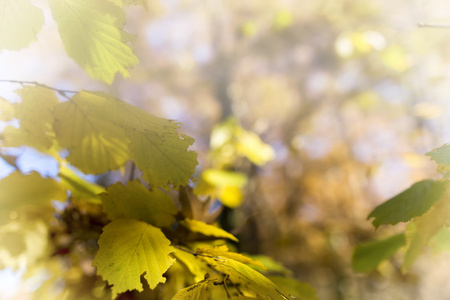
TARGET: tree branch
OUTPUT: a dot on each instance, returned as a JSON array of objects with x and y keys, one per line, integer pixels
[{"x": 60, "y": 91}]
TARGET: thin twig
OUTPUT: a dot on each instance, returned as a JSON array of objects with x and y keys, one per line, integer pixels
[
  {"x": 60, "y": 91},
  {"x": 132, "y": 171},
  {"x": 194, "y": 253},
  {"x": 430, "y": 25}
]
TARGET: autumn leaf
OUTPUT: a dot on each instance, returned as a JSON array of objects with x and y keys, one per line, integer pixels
[
  {"x": 206, "y": 229},
  {"x": 91, "y": 31},
  {"x": 143, "y": 3},
  {"x": 102, "y": 132},
  {"x": 222, "y": 251},
  {"x": 198, "y": 291},
  {"x": 128, "y": 249},
  {"x": 135, "y": 201},
  {"x": 35, "y": 115},
  {"x": 38, "y": 191},
  {"x": 20, "y": 22},
  {"x": 422, "y": 229},
  {"x": 246, "y": 278}
]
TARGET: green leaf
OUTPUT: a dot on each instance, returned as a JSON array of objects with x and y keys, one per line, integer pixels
[
  {"x": 128, "y": 249},
  {"x": 20, "y": 22},
  {"x": 422, "y": 229},
  {"x": 413, "y": 202},
  {"x": 35, "y": 113},
  {"x": 295, "y": 289},
  {"x": 143, "y": 3},
  {"x": 206, "y": 229},
  {"x": 441, "y": 155},
  {"x": 198, "y": 291},
  {"x": 103, "y": 132},
  {"x": 135, "y": 201},
  {"x": 246, "y": 278},
  {"x": 91, "y": 31},
  {"x": 18, "y": 191},
  {"x": 369, "y": 255}
]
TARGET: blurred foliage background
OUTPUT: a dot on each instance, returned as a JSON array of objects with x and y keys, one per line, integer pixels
[{"x": 347, "y": 97}]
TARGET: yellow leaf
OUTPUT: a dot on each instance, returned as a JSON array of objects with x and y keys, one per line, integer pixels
[
  {"x": 23, "y": 243},
  {"x": 6, "y": 110},
  {"x": 206, "y": 229},
  {"x": 198, "y": 291},
  {"x": 103, "y": 132},
  {"x": 222, "y": 251},
  {"x": 128, "y": 249},
  {"x": 143, "y": 3},
  {"x": 224, "y": 178},
  {"x": 35, "y": 115},
  {"x": 78, "y": 186},
  {"x": 250, "y": 145},
  {"x": 91, "y": 31},
  {"x": 196, "y": 266},
  {"x": 18, "y": 191},
  {"x": 95, "y": 144},
  {"x": 246, "y": 278},
  {"x": 135, "y": 201},
  {"x": 20, "y": 22}
]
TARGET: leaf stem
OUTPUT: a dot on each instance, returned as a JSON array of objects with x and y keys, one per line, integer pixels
[{"x": 422, "y": 24}]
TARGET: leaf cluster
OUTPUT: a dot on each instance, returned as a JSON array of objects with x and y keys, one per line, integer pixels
[{"x": 425, "y": 206}]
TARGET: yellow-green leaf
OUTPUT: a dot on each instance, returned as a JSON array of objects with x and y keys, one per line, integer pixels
[
  {"x": 163, "y": 157},
  {"x": 91, "y": 31},
  {"x": 198, "y": 291},
  {"x": 18, "y": 191},
  {"x": 103, "y": 132},
  {"x": 35, "y": 115},
  {"x": 95, "y": 144},
  {"x": 223, "y": 251},
  {"x": 143, "y": 3},
  {"x": 20, "y": 22},
  {"x": 206, "y": 229},
  {"x": 78, "y": 186},
  {"x": 128, "y": 249},
  {"x": 23, "y": 243},
  {"x": 135, "y": 201},
  {"x": 196, "y": 266},
  {"x": 6, "y": 110},
  {"x": 295, "y": 289},
  {"x": 247, "y": 278},
  {"x": 422, "y": 229}
]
